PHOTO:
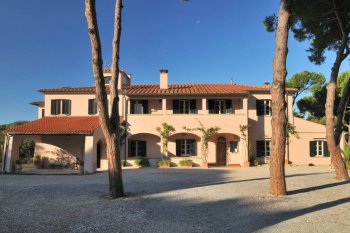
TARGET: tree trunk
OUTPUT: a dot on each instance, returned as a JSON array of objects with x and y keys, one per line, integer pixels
[
  {"x": 277, "y": 157},
  {"x": 333, "y": 146},
  {"x": 109, "y": 124},
  {"x": 341, "y": 112}
]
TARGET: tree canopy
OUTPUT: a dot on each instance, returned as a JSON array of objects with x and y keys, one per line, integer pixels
[{"x": 305, "y": 81}]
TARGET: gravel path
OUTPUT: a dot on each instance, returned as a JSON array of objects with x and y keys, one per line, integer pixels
[{"x": 176, "y": 200}]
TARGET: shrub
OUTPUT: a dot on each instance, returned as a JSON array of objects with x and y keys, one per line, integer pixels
[
  {"x": 185, "y": 162},
  {"x": 141, "y": 161},
  {"x": 18, "y": 162},
  {"x": 346, "y": 155},
  {"x": 163, "y": 162}
]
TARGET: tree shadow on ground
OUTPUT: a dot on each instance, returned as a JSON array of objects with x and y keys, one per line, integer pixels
[
  {"x": 176, "y": 179},
  {"x": 319, "y": 187},
  {"x": 229, "y": 215}
]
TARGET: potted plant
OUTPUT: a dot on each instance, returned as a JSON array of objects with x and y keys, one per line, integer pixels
[
  {"x": 141, "y": 162},
  {"x": 37, "y": 161},
  {"x": 186, "y": 163},
  {"x": 18, "y": 168},
  {"x": 164, "y": 163}
]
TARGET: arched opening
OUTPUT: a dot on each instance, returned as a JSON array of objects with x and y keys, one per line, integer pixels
[{"x": 221, "y": 151}]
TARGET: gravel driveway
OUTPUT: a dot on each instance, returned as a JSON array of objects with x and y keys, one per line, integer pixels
[{"x": 176, "y": 200}]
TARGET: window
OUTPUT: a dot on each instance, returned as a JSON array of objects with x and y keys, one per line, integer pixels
[
  {"x": 263, "y": 107},
  {"x": 233, "y": 146},
  {"x": 139, "y": 106},
  {"x": 137, "y": 148},
  {"x": 220, "y": 106},
  {"x": 42, "y": 112},
  {"x": 60, "y": 106},
  {"x": 319, "y": 149},
  {"x": 186, "y": 147},
  {"x": 184, "y": 106},
  {"x": 92, "y": 107},
  {"x": 263, "y": 148}
]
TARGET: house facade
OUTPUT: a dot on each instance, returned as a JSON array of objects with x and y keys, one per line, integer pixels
[{"x": 68, "y": 121}]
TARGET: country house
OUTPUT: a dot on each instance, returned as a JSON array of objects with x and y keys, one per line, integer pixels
[{"x": 68, "y": 123}]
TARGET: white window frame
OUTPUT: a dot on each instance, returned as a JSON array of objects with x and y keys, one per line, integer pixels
[{"x": 220, "y": 106}]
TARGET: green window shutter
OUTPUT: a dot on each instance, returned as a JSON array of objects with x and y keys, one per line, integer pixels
[
  {"x": 228, "y": 106},
  {"x": 176, "y": 106},
  {"x": 269, "y": 107},
  {"x": 259, "y": 107},
  {"x": 143, "y": 148},
  {"x": 193, "y": 106},
  {"x": 145, "y": 106},
  {"x": 312, "y": 148},
  {"x": 193, "y": 147},
  {"x": 53, "y": 107},
  {"x": 260, "y": 148},
  {"x": 178, "y": 147},
  {"x": 91, "y": 106},
  {"x": 132, "y": 106},
  {"x": 132, "y": 148},
  {"x": 325, "y": 149},
  {"x": 66, "y": 106},
  {"x": 69, "y": 104},
  {"x": 211, "y": 106}
]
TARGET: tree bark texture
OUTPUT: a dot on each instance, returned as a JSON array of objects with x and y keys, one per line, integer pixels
[
  {"x": 341, "y": 112},
  {"x": 333, "y": 146},
  {"x": 109, "y": 124},
  {"x": 279, "y": 121}
]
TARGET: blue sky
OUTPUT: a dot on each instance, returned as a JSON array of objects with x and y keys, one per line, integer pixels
[{"x": 45, "y": 44}]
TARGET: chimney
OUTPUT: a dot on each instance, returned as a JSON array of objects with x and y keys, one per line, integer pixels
[
  {"x": 107, "y": 72},
  {"x": 163, "y": 79},
  {"x": 266, "y": 84}
]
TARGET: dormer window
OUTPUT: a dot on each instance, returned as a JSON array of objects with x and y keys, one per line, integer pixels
[{"x": 60, "y": 106}]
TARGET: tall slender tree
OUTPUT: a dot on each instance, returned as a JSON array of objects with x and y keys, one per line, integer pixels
[
  {"x": 326, "y": 23},
  {"x": 109, "y": 121},
  {"x": 279, "y": 120}
]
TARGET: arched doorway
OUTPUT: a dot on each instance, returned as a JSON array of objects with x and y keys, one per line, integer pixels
[
  {"x": 98, "y": 155},
  {"x": 221, "y": 151}
]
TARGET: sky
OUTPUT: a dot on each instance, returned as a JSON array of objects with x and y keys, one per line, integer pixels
[{"x": 45, "y": 44}]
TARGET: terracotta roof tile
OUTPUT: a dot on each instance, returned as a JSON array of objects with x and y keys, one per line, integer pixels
[
  {"x": 58, "y": 125},
  {"x": 148, "y": 89},
  {"x": 192, "y": 89},
  {"x": 38, "y": 103}
]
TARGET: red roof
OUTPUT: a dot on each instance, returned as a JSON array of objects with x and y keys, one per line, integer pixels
[
  {"x": 192, "y": 89},
  {"x": 38, "y": 103},
  {"x": 149, "y": 89},
  {"x": 58, "y": 125}
]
